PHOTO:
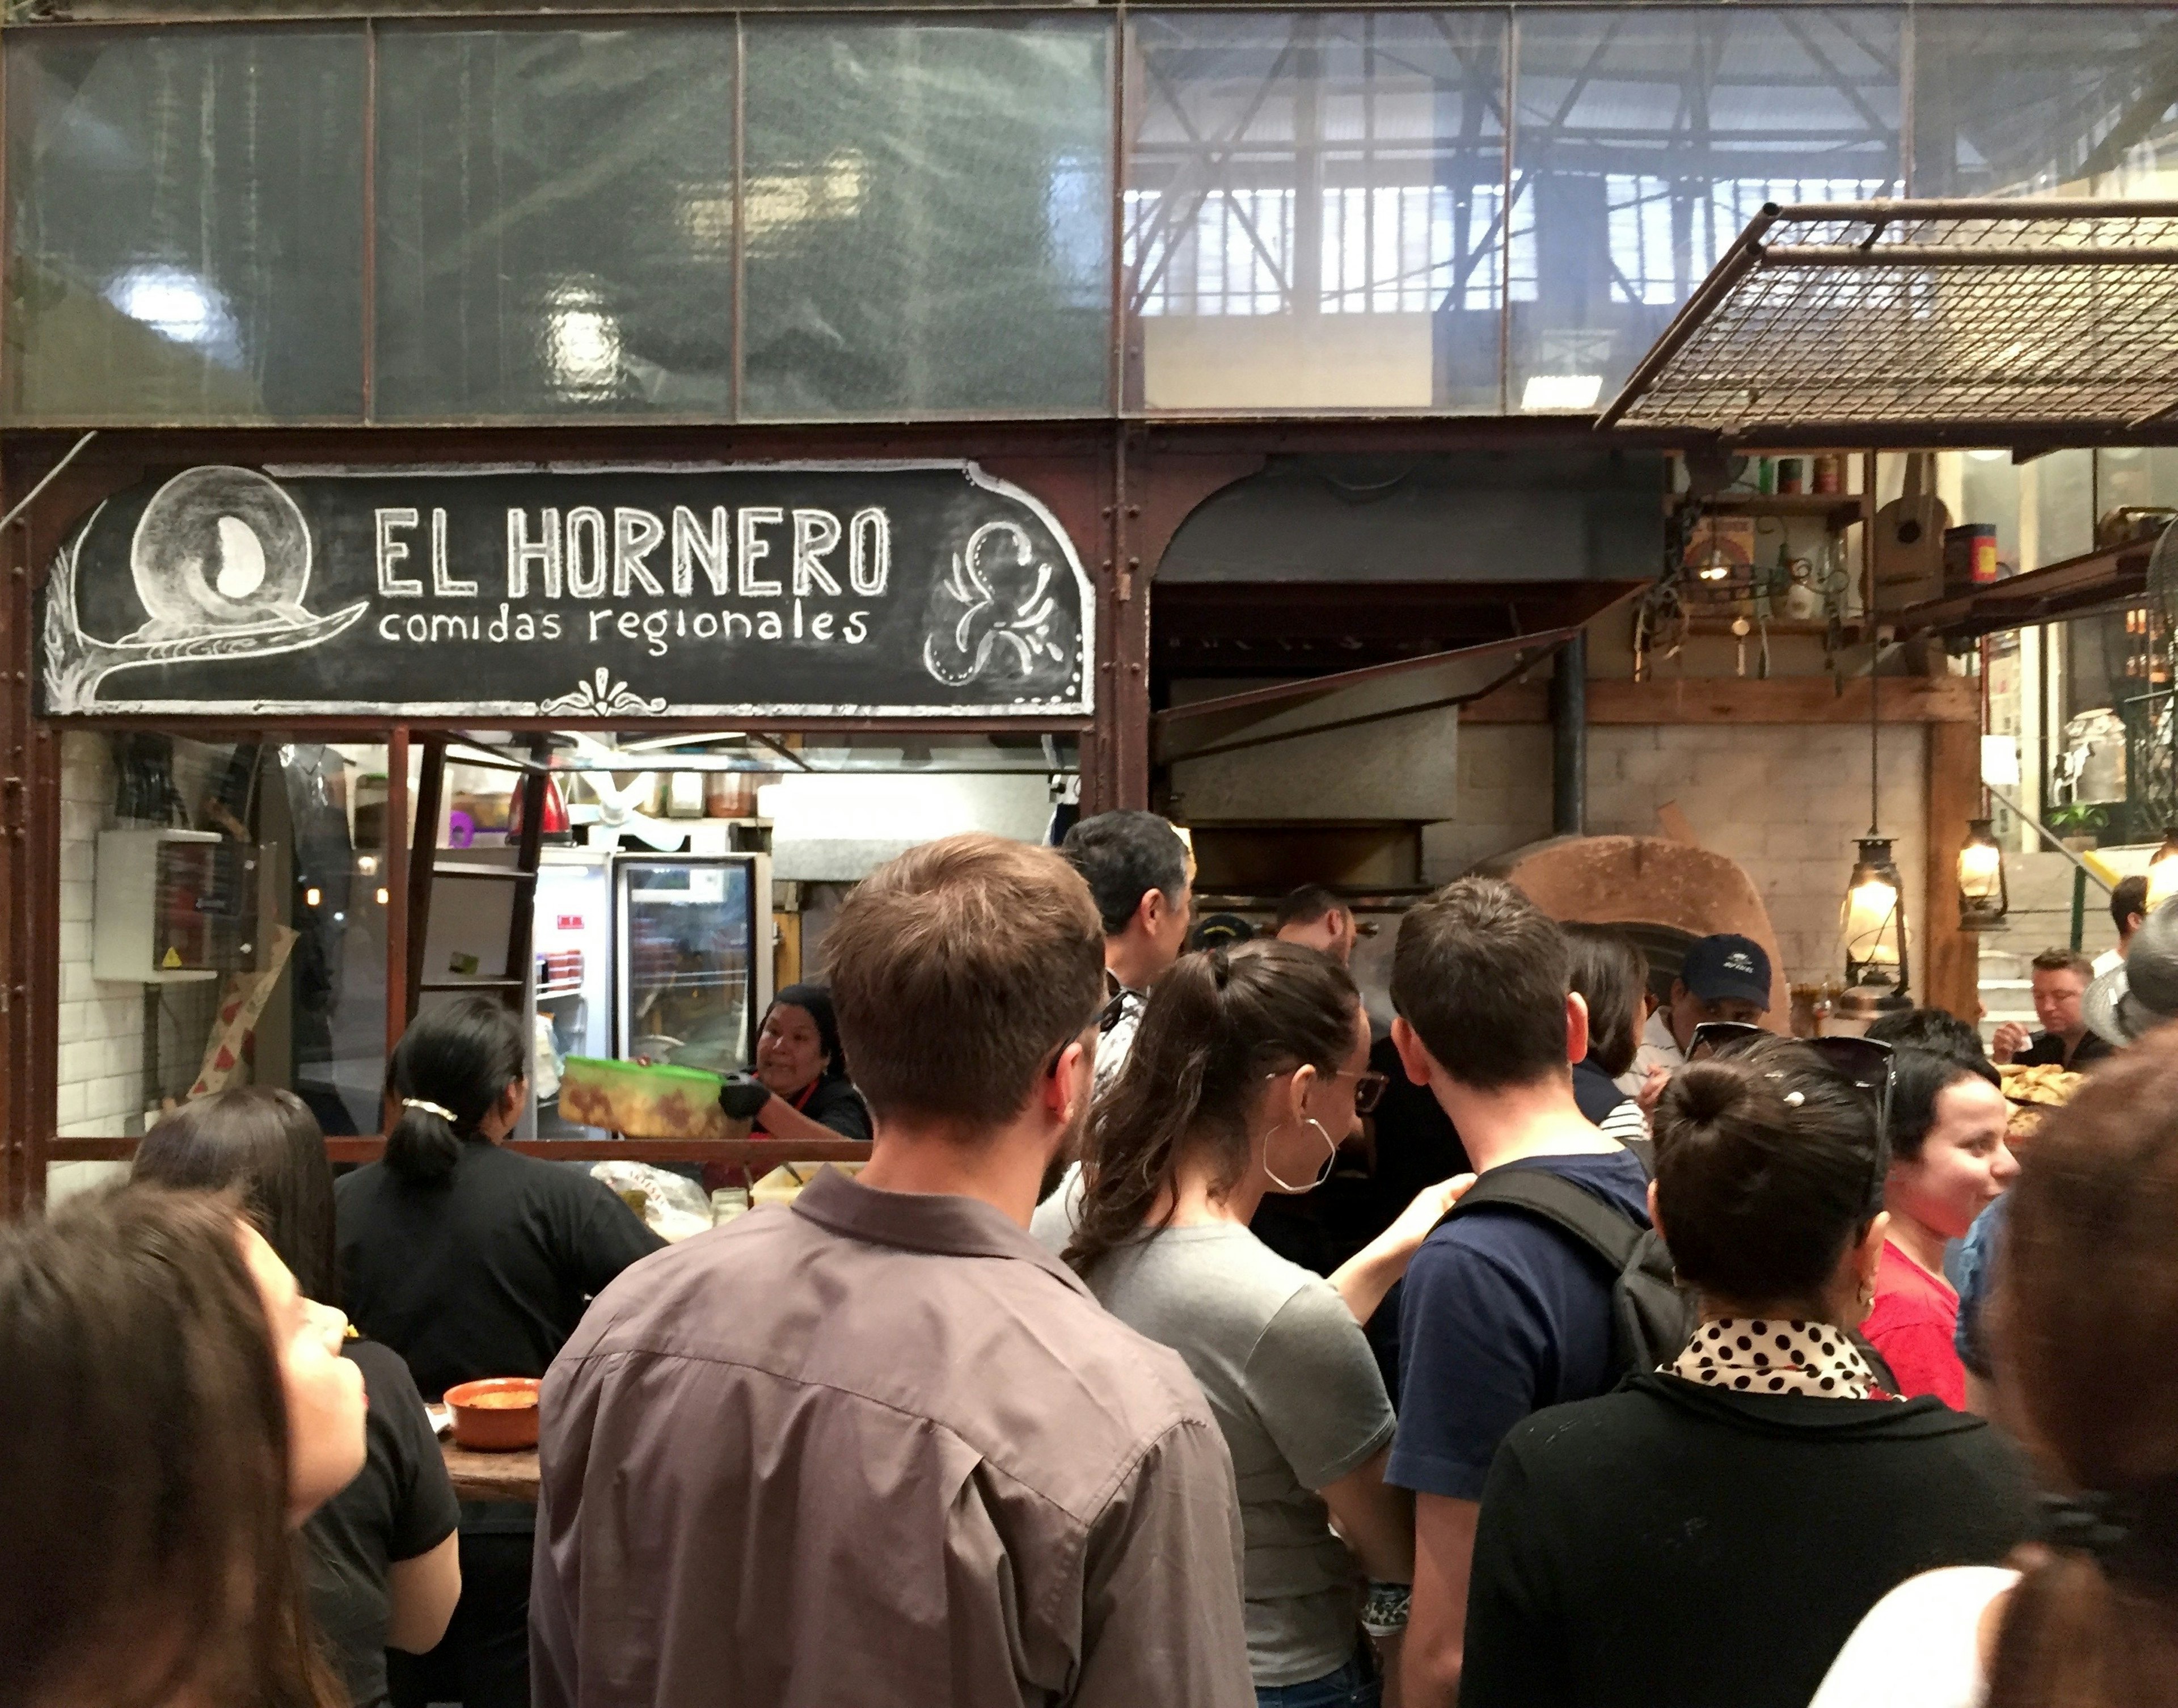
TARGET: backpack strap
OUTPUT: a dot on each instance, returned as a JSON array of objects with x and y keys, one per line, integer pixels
[{"x": 1611, "y": 1233}]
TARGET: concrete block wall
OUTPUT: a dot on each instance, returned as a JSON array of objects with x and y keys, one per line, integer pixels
[{"x": 1787, "y": 803}]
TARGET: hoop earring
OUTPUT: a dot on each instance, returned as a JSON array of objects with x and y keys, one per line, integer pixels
[{"x": 1329, "y": 1162}]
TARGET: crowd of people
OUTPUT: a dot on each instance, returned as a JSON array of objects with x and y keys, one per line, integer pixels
[{"x": 1653, "y": 1385}]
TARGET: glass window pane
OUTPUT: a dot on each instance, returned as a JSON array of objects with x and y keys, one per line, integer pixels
[
  {"x": 1314, "y": 212},
  {"x": 1647, "y": 139},
  {"x": 928, "y": 218},
  {"x": 223, "y": 922},
  {"x": 2033, "y": 102},
  {"x": 556, "y": 222},
  {"x": 185, "y": 225}
]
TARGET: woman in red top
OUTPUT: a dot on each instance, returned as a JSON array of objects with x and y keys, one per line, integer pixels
[{"x": 1948, "y": 1163}]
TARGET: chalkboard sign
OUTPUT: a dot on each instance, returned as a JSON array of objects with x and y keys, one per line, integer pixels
[{"x": 903, "y": 590}]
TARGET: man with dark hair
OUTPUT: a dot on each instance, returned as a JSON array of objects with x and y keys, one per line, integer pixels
[
  {"x": 1723, "y": 977},
  {"x": 2060, "y": 979},
  {"x": 882, "y": 1447},
  {"x": 1315, "y": 917},
  {"x": 1503, "y": 1313},
  {"x": 1136, "y": 867},
  {"x": 2128, "y": 911},
  {"x": 1929, "y": 1028}
]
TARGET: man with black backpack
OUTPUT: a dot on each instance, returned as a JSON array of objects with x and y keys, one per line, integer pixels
[{"x": 1516, "y": 1301}]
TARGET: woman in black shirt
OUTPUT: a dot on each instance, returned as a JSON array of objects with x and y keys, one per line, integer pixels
[
  {"x": 385, "y": 1567},
  {"x": 471, "y": 1260},
  {"x": 798, "y": 1056},
  {"x": 1708, "y": 1535}
]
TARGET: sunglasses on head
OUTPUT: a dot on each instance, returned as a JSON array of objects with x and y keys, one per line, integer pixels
[{"x": 1866, "y": 1062}]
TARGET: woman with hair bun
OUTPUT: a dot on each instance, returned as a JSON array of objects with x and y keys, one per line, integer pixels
[
  {"x": 1250, "y": 1066},
  {"x": 1705, "y": 1537},
  {"x": 471, "y": 1260},
  {"x": 2084, "y": 1323}
]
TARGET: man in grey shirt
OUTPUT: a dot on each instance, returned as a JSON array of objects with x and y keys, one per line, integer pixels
[{"x": 882, "y": 1448}]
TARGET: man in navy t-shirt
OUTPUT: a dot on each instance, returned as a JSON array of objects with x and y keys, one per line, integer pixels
[{"x": 1502, "y": 1314}]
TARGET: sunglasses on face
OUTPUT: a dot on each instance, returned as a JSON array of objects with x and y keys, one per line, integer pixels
[
  {"x": 1867, "y": 1063},
  {"x": 1368, "y": 1088}
]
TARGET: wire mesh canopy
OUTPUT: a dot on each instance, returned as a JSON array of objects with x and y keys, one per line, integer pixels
[{"x": 1924, "y": 314}]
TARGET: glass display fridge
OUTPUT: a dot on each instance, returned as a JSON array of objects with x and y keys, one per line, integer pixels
[
  {"x": 653, "y": 957},
  {"x": 692, "y": 957}
]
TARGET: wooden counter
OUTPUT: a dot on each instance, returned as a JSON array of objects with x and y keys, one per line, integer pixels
[{"x": 491, "y": 1476}]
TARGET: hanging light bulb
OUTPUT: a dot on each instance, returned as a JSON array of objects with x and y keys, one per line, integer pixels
[
  {"x": 1873, "y": 925},
  {"x": 1984, "y": 899},
  {"x": 2163, "y": 870}
]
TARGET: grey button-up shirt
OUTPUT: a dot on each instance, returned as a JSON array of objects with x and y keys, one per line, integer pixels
[{"x": 880, "y": 1448}]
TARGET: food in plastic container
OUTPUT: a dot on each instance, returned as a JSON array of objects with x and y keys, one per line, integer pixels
[{"x": 645, "y": 1102}]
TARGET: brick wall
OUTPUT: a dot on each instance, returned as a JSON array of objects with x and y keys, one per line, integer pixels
[{"x": 1787, "y": 803}]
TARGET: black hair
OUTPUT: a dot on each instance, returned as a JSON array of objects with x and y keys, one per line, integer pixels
[
  {"x": 1918, "y": 1078},
  {"x": 1305, "y": 905},
  {"x": 1763, "y": 1163},
  {"x": 1122, "y": 857},
  {"x": 1610, "y": 974},
  {"x": 1481, "y": 974},
  {"x": 815, "y": 1001},
  {"x": 264, "y": 1143},
  {"x": 2129, "y": 898},
  {"x": 461, "y": 1057},
  {"x": 2064, "y": 961},
  {"x": 1929, "y": 1028}
]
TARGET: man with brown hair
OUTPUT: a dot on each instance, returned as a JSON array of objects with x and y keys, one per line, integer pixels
[
  {"x": 1503, "y": 1311},
  {"x": 882, "y": 1447},
  {"x": 2060, "y": 978}
]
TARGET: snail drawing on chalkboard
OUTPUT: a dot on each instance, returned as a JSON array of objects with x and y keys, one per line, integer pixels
[
  {"x": 1005, "y": 614},
  {"x": 220, "y": 560}
]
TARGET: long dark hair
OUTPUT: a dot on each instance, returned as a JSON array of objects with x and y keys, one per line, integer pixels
[
  {"x": 462, "y": 1058},
  {"x": 264, "y": 1144},
  {"x": 1610, "y": 974},
  {"x": 144, "y": 1516},
  {"x": 1213, "y": 1028},
  {"x": 2085, "y": 1316}
]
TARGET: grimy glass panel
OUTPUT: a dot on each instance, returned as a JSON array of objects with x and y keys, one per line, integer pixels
[
  {"x": 555, "y": 220},
  {"x": 1647, "y": 139},
  {"x": 1314, "y": 212},
  {"x": 185, "y": 225},
  {"x": 2080, "y": 102},
  {"x": 928, "y": 218},
  {"x": 223, "y": 916}
]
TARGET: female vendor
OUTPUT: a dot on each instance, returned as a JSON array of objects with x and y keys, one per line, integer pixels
[{"x": 799, "y": 1058}]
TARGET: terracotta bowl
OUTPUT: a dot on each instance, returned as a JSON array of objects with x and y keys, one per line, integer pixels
[{"x": 498, "y": 1415}]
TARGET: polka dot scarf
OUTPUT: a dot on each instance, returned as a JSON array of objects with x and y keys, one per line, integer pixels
[{"x": 1768, "y": 1357}]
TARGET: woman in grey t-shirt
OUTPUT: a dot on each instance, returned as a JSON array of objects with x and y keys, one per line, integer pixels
[{"x": 1248, "y": 1069}]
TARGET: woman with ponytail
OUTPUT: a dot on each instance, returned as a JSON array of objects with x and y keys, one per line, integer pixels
[
  {"x": 2084, "y": 1327},
  {"x": 471, "y": 1260},
  {"x": 1707, "y": 1536},
  {"x": 1249, "y": 1068}
]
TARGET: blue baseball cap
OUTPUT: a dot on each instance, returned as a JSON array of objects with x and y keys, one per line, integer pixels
[{"x": 1726, "y": 968}]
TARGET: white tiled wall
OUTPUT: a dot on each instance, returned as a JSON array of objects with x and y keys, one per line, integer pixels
[
  {"x": 1787, "y": 803},
  {"x": 101, "y": 1026}
]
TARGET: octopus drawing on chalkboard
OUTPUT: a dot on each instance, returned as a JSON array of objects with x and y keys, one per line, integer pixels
[
  {"x": 220, "y": 560},
  {"x": 994, "y": 619}
]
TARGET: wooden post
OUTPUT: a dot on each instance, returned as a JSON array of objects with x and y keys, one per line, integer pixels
[{"x": 1950, "y": 978}]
